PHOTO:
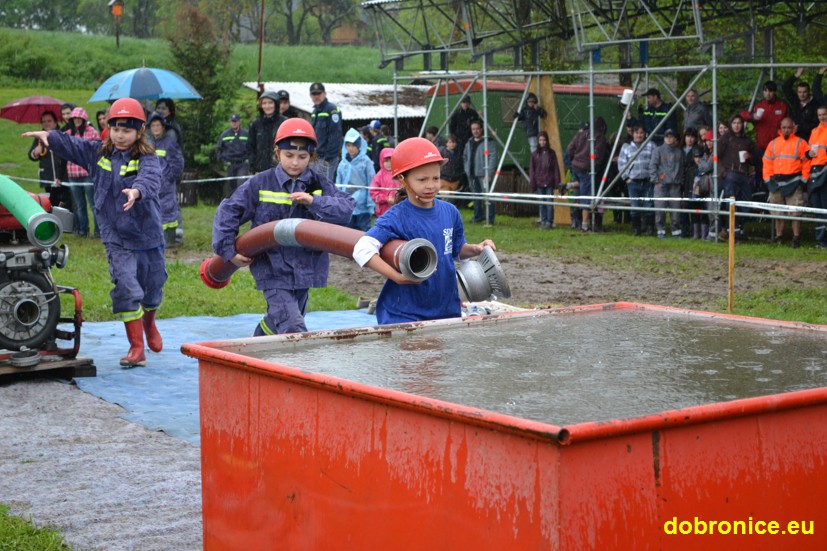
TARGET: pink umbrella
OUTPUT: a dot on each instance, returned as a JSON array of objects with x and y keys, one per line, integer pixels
[{"x": 29, "y": 109}]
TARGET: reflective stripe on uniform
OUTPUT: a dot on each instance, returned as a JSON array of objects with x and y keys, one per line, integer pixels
[
  {"x": 161, "y": 152},
  {"x": 105, "y": 164},
  {"x": 169, "y": 225},
  {"x": 265, "y": 328},
  {"x": 130, "y": 316},
  {"x": 278, "y": 197},
  {"x": 129, "y": 168}
]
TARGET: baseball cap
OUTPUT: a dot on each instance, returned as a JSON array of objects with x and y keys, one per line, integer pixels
[
  {"x": 376, "y": 124},
  {"x": 466, "y": 99},
  {"x": 235, "y": 117},
  {"x": 670, "y": 132},
  {"x": 316, "y": 88},
  {"x": 709, "y": 135}
]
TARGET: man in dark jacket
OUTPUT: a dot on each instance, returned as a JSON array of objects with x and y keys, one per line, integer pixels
[
  {"x": 327, "y": 122},
  {"x": 285, "y": 109},
  {"x": 263, "y": 132},
  {"x": 803, "y": 107},
  {"x": 654, "y": 112},
  {"x": 460, "y": 122},
  {"x": 231, "y": 151}
]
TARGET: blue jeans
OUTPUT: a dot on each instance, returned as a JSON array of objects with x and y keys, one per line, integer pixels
[
  {"x": 81, "y": 195},
  {"x": 639, "y": 190},
  {"x": 738, "y": 186},
  {"x": 478, "y": 187},
  {"x": 546, "y": 210}
]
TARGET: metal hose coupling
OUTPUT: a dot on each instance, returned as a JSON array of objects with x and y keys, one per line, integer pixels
[
  {"x": 483, "y": 279},
  {"x": 417, "y": 259}
]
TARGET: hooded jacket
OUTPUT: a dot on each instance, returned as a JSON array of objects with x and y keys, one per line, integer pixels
[
  {"x": 260, "y": 141},
  {"x": 357, "y": 172},
  {"x": 579, "y": 151},
  {"x": 728, "y": 157},
  {"x": 666, "y": 165},
  {"x": 383, "y": 184},
  {"x": 543, "y": 169}
]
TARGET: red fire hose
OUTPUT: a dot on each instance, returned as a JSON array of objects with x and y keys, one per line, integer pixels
[{"x": 416, "y": 259}]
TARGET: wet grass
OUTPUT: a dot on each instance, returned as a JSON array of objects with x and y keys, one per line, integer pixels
[{"x": 21, "y": 535}]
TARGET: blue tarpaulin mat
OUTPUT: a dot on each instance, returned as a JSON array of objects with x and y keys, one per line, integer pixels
[{"x": 164, "y": 394}]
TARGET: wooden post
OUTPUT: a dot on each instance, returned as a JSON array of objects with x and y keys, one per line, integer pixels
[
  {"x": 731, "y": 265},
  {"x": 562, "y": 215}
]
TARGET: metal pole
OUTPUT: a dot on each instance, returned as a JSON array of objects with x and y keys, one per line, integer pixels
[
  {"x": 485, "y": 135},
  {"x": 715, "y": 206},
  {"x": 731, "y": 265},
  {"x": 260, "y": 47}
]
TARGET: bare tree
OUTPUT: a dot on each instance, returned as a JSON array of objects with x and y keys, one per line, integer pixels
[{"x": 330, "y": 14}]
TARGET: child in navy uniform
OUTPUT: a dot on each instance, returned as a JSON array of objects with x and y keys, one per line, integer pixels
[
  {"x": 126, "y": 175},
  {"x": 290, "y": 190},
  {"x": 172, "y": 165},
  {"x": 418, "y": 213}
]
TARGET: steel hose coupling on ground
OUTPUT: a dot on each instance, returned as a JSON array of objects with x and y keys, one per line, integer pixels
[
  {"x": 43, "y": 229},
  {"x": 415, "y": 259}
]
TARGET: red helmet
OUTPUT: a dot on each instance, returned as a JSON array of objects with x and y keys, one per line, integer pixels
[
  {"x": 296, "y": 128},
  {"x": 412, "y": 153},
  {"x": 127, "y": 108}
]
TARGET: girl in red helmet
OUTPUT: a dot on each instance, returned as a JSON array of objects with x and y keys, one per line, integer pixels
[
  {"x": 290, "y": 190},
  {"x": 418, "y": 213},
  {"x": 126, "y": 177}
]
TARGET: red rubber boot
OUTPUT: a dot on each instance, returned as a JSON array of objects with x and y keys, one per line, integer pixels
[
  {"x": 135, "y": 334},
  {"x": 153, "y": 337}
]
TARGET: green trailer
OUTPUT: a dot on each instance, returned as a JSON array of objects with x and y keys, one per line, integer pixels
[{"x": 503, "y": 98}]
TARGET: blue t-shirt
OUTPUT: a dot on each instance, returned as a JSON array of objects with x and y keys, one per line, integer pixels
[{"x": 438, "y": 296}]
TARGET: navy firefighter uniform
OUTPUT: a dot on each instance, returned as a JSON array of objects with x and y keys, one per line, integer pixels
[
  {"x": 327, "y": 122},
  {"x": 172, "y": 166},
  {"x": 133, "y": 239},
  {"x": 283, "y": 274}
]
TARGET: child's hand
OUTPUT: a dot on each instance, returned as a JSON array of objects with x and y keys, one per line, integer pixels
[
  {"x": 132, "y": 196},
  {"x": 480, "y": 246},
  {"x": 470, "y": 250},
  {"x": 241, "y": 261},
  {"x": 301, "y": 197},
  {"x": 41, "y": 135}
]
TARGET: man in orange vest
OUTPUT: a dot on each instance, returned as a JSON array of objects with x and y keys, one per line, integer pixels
[
  {"x": 786, "y": 171},
  {"x": 817, "y": 185}
]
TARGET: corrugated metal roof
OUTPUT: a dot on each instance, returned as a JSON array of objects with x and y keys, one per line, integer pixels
[{"x": 357, "y": 101}]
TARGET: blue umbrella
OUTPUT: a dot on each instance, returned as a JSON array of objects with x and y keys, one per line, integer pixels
[{"x": 145, "y": 83}]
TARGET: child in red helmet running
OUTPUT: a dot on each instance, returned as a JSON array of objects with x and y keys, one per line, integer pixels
[
  {"x": 290, "y": 190},
  {"x": 418, "y": 214},
  {"x": 126, "y": 176}
]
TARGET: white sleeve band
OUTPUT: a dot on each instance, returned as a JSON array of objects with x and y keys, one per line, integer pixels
[{"x": 365, "y": 248}]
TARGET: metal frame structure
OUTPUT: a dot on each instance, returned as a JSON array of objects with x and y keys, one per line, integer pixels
[{"x": 446, "y": 28}]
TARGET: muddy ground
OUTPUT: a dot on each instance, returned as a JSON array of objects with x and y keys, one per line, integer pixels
[{"x": 542, "y": 282}]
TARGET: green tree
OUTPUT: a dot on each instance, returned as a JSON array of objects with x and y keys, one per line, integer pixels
[{"x": 202, "y": 56}]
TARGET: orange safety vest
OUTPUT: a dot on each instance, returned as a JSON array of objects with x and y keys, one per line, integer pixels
[
  {"x": 785, "y": 157},
  {"x": 819, "y": 138}
]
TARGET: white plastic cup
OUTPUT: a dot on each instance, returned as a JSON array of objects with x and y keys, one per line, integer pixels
[
  {"x": 627, "y": 97},
  {"x": 742, "y": 156},
  {"x": 814, "y": 148},
  {"x": 759, "y": 113}
]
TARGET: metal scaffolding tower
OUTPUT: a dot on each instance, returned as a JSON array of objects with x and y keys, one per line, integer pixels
[{"x": 715, "y": 35}]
